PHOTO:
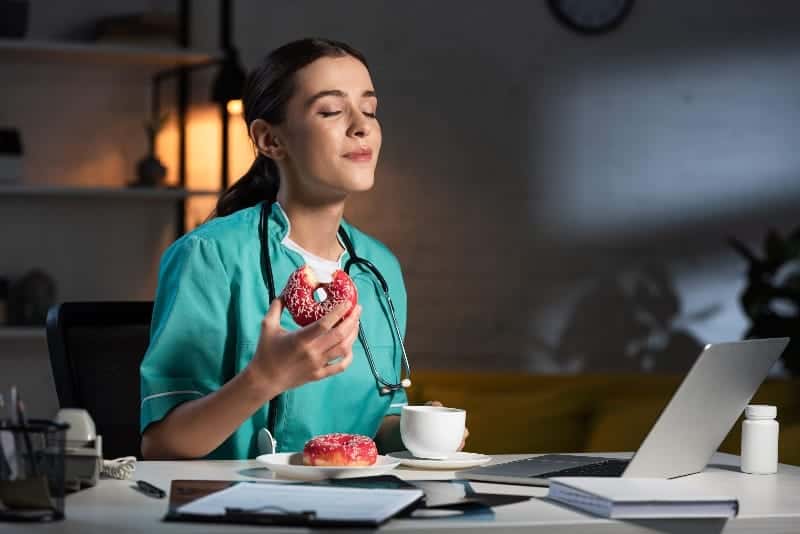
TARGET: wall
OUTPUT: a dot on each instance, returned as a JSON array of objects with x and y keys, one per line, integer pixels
[
  {"x": 81, "y": 125},
  {"x": 558, "y": 203},
  {"x": 527, "y": 170}
]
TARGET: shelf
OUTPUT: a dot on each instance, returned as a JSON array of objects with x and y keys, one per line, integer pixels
[
  {"x": 103, "y": 192},
  {"x": 22, "y": 332},
  {"x": 101, "y": 53}
]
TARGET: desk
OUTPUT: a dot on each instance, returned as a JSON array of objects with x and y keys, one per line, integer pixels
[{"x": 767, "y": 504}]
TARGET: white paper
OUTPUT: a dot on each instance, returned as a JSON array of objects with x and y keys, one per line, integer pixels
[{"x": 329, "y": 503}]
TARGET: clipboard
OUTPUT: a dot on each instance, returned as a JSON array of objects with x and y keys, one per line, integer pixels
[{"x": 183, "y": 492}]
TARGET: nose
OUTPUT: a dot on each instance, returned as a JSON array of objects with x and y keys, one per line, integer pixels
[{"x": 360, "y": 126}]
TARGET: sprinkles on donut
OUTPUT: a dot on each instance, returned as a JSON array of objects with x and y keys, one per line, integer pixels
[
  {"x": 340, "y": 450},
  {"x": 298, "y": 295}
]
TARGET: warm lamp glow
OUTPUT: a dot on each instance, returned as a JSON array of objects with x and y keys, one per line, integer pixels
[
  {"x": 235, "y": 107},
  {"x": 203, "y": 155}
]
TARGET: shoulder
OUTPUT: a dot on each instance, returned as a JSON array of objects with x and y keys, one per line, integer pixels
[
  {"x": 232, "y": 230},
  {"x": 224, "y": 237}
]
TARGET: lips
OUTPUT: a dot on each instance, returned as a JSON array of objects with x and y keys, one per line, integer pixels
[{"x": 364, "y": 154}]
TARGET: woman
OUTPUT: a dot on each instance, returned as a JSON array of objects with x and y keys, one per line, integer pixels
[{"x": 215, "y": 373}]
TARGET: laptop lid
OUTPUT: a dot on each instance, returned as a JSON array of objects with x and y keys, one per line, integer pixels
[{"x": 705, "y": 407}]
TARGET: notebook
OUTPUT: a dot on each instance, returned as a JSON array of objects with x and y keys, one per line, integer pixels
[{"x": 639, "y": 498}]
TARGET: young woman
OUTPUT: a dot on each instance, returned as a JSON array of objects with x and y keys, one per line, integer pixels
[{"x": 225, "y": 363}]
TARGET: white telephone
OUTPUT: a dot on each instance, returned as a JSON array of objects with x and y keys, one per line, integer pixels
[{"x": 83, "y": 462}]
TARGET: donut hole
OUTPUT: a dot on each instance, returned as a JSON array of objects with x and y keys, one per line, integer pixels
[{"x": 320, "y": 295}]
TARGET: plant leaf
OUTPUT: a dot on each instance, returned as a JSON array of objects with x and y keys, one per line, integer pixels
[
  {"x": 774, "y": 248},
  {"x": 742, "y": 249}
]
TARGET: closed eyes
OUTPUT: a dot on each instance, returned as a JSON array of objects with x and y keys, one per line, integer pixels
[{"x": 334, "y": 113}]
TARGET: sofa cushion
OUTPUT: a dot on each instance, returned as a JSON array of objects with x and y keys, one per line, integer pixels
[
  {"x": 507, "y": 422},
  {"x": 514, "y": 412},
  {"x": 518, "y": 412}
]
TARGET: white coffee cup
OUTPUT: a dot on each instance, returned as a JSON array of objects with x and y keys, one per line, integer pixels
[{"x": 432, "y": 432}]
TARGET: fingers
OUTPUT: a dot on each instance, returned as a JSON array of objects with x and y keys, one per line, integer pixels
[
  {"x": 337, "y": 335},
  {"x": 333, "y": 317},
  {"x": 326, "y": 323},
  {"x": 343, "y": 347},
  {"x": 334, "y": 368},
  {"x": 273, "y": 317},
  {"x": 433, "y": 403},
  {"x": 464, "y": 439}
]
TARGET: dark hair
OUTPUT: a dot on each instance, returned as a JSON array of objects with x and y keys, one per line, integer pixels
[{"x": 266, "y": 92}]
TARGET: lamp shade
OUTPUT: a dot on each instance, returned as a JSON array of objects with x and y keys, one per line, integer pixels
[{"x": 229, "y": 82}]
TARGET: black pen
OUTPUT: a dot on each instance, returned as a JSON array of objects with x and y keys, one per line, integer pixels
[{"x": 151, "y": 490}]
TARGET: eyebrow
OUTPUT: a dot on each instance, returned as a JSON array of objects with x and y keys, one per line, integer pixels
[{"x": 337, "y": 93}]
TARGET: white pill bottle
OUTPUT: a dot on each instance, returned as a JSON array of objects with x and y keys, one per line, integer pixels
[{"x": 760, "y": 440}]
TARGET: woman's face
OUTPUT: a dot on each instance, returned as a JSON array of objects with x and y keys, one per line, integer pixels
[{"x": 331, "y": 135}]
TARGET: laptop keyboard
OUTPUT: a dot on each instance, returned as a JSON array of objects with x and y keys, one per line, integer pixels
[{"x": 607, "y": 468}]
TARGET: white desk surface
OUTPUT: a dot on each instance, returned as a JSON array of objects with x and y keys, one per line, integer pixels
[{"x": 767, "y": 504}]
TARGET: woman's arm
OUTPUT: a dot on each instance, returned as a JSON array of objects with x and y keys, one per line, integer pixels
[
  {"x": 283, "y": 360},
  {"x": 195, "y": 428}
]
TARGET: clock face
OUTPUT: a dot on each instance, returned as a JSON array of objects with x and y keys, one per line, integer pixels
[{"x": 591, "y": 16}]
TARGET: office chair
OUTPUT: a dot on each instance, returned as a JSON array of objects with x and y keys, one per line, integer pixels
[{"x": 95, "y": 352}]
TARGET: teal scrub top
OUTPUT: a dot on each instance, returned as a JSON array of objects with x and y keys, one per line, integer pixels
[{"x": 209, "y": 304}]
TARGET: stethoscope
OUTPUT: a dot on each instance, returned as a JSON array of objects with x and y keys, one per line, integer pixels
[
  {"x": 384, "y": 386},
  {"x": 265, "y": 440}
]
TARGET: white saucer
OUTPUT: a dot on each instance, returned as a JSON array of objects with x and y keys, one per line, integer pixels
[
  {"x": 457, "y": 460},
  {"x": 290, "y": 465}
]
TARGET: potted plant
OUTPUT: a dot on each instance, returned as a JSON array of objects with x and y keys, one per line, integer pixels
[{"x": 772, "y": 297}]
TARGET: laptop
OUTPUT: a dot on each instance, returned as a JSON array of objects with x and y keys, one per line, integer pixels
[{"x": 697, "y": 418}]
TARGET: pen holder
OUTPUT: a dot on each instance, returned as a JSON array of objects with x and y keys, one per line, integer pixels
[{"x": 32, "y": 470}]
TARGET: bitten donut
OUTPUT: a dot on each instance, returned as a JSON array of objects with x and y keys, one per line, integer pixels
[
  {"x": 340, "y": 450},
  {"x": 298, "y": 295}
]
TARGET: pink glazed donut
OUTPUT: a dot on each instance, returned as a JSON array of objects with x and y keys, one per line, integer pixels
[
  {"x": 298, "y": 295},
  {"x": 340, "y": 450}
]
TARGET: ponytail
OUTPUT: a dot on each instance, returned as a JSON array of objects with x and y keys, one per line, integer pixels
[{"x": 260, "y": 182}]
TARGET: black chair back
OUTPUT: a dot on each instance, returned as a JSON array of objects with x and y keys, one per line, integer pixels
[{"x": 95, "y": 352}]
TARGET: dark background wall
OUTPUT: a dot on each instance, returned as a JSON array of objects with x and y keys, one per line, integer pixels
[
  {"x": 562, "y": 202},
  {"x": 559, "y": 203}
]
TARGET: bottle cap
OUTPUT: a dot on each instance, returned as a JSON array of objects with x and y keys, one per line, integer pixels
[{"x": 760, "y": 411}]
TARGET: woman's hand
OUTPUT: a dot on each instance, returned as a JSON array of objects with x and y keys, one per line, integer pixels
[
  {"x": 284, "y": 360},
  {"x": 466, "y": 430}
]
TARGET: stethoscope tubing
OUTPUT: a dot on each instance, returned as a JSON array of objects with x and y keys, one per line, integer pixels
[{"x": 269, "y": 279}]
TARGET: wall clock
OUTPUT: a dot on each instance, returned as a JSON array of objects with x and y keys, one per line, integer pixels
[{"x": 590, "y": 16}]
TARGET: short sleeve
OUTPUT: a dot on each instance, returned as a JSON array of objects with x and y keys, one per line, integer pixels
[{"x": 188, "y": 335}]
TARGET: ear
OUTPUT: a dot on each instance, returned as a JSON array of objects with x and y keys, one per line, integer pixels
[{"x": 265, "y": 137}]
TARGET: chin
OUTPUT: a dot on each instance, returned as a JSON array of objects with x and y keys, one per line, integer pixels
[
  {"x": 364, "y": 185},
  {"x": 349, "y": 180},
  {"x": 359, "y": 182}
]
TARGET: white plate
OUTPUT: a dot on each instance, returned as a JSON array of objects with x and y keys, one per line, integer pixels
[
  {"x": 290, "y": 465},
  {"x": 457, "y": 460}
]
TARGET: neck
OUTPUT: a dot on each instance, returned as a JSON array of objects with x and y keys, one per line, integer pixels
[{"x": 314, "y": 227}]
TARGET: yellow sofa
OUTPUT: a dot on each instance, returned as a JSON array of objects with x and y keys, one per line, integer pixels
[{"x": 571, "y": 413}]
